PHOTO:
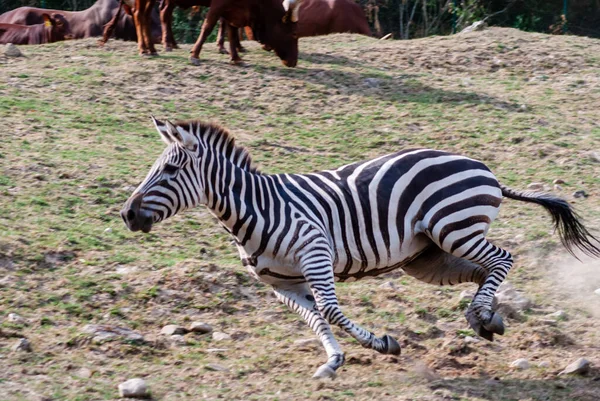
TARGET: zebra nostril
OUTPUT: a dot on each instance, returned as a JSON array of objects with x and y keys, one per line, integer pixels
[{"x": 130, "y": 215}]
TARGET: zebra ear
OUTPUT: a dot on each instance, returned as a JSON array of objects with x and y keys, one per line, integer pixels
[
  {"x": 163, "y": 131},
  {"x": 183, "y": 136}
]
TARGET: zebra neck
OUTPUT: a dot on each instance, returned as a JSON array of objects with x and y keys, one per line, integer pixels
[{"x": 236, "y": 197}]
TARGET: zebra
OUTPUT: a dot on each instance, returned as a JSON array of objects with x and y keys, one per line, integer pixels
[{"x": 421, "y": 210}]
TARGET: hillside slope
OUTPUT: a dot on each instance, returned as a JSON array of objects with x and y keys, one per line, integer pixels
[{"x": 77, "y": 139}]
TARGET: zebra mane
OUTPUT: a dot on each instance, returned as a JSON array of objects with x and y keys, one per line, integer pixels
[{"x": 218, "y": 139}]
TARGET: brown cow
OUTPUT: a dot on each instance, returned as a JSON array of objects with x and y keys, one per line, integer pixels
[
  {"x": 84, "y": 24},
  {"x": 322, "y": 17},
  {"x": 54, "y": 29},
  {"x": 273, "y": 24}
]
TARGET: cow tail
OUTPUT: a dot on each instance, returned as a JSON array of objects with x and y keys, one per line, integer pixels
[{"x": 573, "y": 234}]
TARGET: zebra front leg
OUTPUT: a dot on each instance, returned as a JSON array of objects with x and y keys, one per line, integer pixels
[
  {"x": 319, "y": 275},
  {"x": 300, "y": 300}
]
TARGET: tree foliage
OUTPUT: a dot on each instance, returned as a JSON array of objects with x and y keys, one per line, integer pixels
[{"x": 406, "y": 19}]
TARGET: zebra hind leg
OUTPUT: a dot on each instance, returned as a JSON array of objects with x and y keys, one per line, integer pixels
[
  {"x": 497, "y": 262},
  {"x": 299, "y": 299}
]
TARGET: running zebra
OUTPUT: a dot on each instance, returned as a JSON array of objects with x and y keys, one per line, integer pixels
[{"x": 421, "y": 210}]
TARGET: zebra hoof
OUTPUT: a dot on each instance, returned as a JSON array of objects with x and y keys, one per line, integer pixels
[
  {"x": 194, "y": 61},
  {"x": 392, "y": 346},
  {"x": 324, "y": 372},
  {"x": 495, "y": 325}
]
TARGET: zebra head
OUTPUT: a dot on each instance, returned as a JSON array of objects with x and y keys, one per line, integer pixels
[{"x": 173, "y": 183}]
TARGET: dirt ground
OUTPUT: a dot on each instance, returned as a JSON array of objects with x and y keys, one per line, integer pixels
[{"x": 77, "y": 139}]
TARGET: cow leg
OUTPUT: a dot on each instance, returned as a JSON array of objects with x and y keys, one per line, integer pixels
[
  {"x": 209, "y": 24},
  {"x": 221, "y": 37},
  {"x": 234, "y": 42},
  {"x": 146, "y": 28},
  {"x": 137, "y": 20},
  {"x": 300, "y": 300},
  {"x": 166, "y": 23},
  {"x": 240, "y": 36}
]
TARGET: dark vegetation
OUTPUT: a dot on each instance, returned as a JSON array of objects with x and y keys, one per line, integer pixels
[{"x": 407, "y": 19}]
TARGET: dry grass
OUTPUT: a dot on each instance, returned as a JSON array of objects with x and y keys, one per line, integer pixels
[{"x": 77, "y": 137}]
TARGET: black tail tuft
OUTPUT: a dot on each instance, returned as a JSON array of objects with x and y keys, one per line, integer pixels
[{"x": 573, "y": 234}]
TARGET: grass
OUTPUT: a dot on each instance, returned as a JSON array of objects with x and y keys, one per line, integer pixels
[{"x": 78, "y": 139}]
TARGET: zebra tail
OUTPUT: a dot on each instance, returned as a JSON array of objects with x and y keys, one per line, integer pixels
[{"x": 566, "y": 221}]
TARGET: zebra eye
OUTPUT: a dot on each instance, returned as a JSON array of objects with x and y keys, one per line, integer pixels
[{"x": 170, "y": 169}]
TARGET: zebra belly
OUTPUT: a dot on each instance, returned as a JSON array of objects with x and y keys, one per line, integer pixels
[{"x": 399, "y": 257}]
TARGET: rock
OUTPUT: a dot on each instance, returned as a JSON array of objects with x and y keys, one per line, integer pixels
[
  {"x": 580, "y": 194},
  {"x": 475, "y": 26},
  {"x": 544, "y": 364},
  {"x": 84, "y": 373},
  {"x": 102, "y": 333},
  {"x": 558, "y": 181},
  {"x": 14, "y": 318},
  {"x": 200, "y": 327},
  {"x": 535, "y": 186},
  {"x": 597, "y": 292},
  {"x": 216, "y": 350},
  {"x": 520, "y": 364},
  {"x": 557, "y": 188},
  {"x": 580, "y": 366},
  {"x": 372, "y": 82},
  {"x": 549, "y": 322},
  {"x": 507, "y": 295},
  {"x": 466, "y": 295},
  {"x": 173, "y": 329},
  {"x": 595, "y": 156},
  {"x": 390, "y": 286},
  {"x": 523, "y": 107},
  {"x": 215, "y": 367},
  {"x": 307, "y": 343},
  {"x": 126, "y": 269},
  {"x": 558, "y": 315},
  {"x": 134, "y": 388},
  {"x": 22, "y": 345},
  {"x": 108, "y": 230},
  {"x": 177, "y": 339},
  {"x": 469, "y": 340},
  {"x": 11, "y": 50},
  {"x": 220, "y": 336}
]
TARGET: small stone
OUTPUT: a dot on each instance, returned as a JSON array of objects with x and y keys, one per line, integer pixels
[
  {"x": 523, "y": 107},
  {"x": 595, "y": 156},
  {"x": 14, "y": 318},
  {"x": 216, "y": 350},
  {"x": 544, "y": 364},
  {"x": 372, "y": 82},
  {"x": 177, "y": 339},
  {"x": 22, "y": 345},
  {"x": 597, "y": 292},
  {"x": 549, "y": 322},
  {"x": 134, "y": 388},
  {"x": 580, "y": 366},
  {"x": 173, "y": 329},
  {"x": 466, "y": 295},
  {"x": 102, "y": 333},
  {"x": 84, "y": 373},
  {"x": 558, "y": 181},
  {"x": 520, "y": 364},
  {"x": 108, "y": 230},
  {"x": 200, "y": 327},
  {"x": 389, "y": 286},
  {"x": 535, "y": 186},
  {"x": 220, "y": 336},
  {"x": 557, "y": 188},
  {"x": 215, "y": 367},
  {"x": 558, "y": 315},
  {"x": 469, "y": 339},
  {"x": 307, "y": 342},
  {"x": 580, "y": 194},
  {"x": 11, "y": 50}
]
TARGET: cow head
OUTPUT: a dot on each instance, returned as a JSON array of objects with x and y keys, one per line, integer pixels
[
  {"x": 277, "y": 30},
  {"x": 59, "y": 27}
]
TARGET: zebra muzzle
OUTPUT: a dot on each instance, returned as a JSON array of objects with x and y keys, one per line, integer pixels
[{"x": 134, "y": 217}]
